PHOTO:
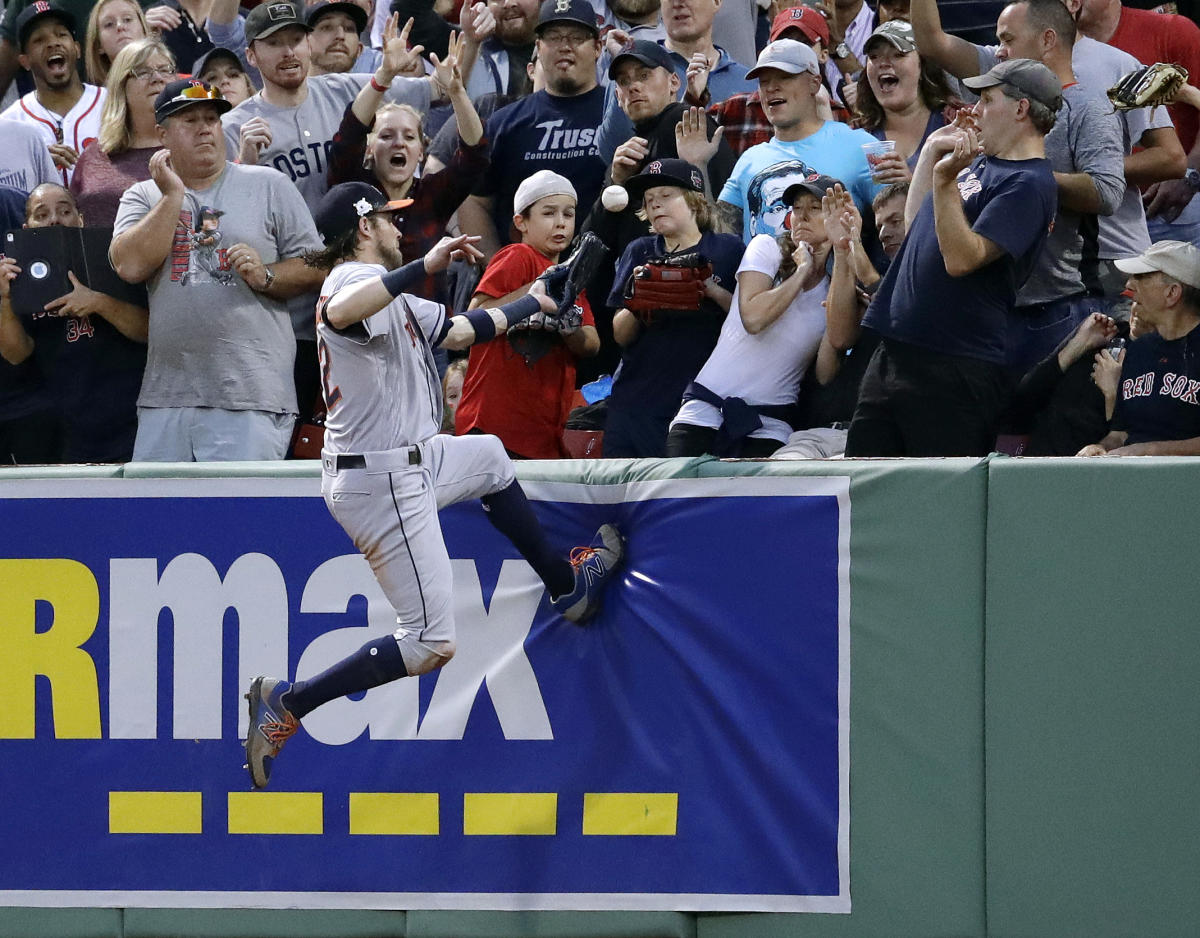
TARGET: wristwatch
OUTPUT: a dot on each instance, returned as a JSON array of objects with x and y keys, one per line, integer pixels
[
  {"x": 1192, "y": 177},
  {"x": 270, "y": 277},
  {"x": 842, "y": 51}
]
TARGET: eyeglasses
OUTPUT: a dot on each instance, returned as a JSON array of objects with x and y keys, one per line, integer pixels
[
  {"x": 146, "y": 74},
  {"x": 557, "y": 38}
]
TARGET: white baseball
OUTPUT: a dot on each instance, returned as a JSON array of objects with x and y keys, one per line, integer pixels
[{"x": 614, "y": 198}]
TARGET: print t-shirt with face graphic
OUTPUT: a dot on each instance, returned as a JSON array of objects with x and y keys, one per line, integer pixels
[
  {"x": 764, "y": 172},
  {"x": 214, "y": 342}
]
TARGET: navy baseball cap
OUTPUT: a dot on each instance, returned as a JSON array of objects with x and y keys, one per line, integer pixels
[
  {"x": 567, "y": 11},
  {"x": 185, "y": 93},
  {"x": 270, "y": 17},
  {"x": 343, "y": 205},
  {"x": 220, "y": 52},
  {"x": 28, "y": 19},
  {"x": 352, "y": 10},
  {"x": 650, "y": 54},
  {"x": 813, "y": 184},
  {"x": 669, "y": 172}
]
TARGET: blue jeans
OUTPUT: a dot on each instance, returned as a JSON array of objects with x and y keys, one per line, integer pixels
[{"x": 1036, "y": 331}]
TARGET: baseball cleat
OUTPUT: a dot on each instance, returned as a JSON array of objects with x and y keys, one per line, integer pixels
[
  {"x": 271, "y": 725},
  {"x": 594, "y": 567}
]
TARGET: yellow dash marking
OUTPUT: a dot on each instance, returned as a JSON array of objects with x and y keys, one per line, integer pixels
[
  {"x": 394, "y": 812},
  {"x": 275, "y": 812},
  {"x": 501, "y": 813},
  {"x": 630, "y": 813},
  {"x": 154, "y": 812}
]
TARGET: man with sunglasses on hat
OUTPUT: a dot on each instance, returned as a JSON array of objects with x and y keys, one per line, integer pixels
[
  {"x": 65, "y": 111},
  {"x": 219, "y": 246},
  {"x": 387, "y": 470}
]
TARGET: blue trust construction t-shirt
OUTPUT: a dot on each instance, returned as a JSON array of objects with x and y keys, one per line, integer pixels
[
  {"x": 544, "y": 132},
  {"x": 1009, "y": 202}
]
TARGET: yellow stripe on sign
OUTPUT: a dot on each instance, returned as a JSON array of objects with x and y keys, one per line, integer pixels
[
  {"x": 394, "y": 812},
  {"x": 276, "y": 812},
  {"x": 630, "y": 813},
  {"x": 154, "y": 812},
  {"x": 506, "y": 813}
]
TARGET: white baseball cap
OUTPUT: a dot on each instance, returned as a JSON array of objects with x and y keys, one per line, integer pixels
[
  {"x": 538, "y": 186},
  {"x": 1177, "y": 259},
  {"x": 787, "y": 55}
]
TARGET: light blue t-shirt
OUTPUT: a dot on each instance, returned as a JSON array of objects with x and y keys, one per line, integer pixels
[{"x": 764, "y": 172}]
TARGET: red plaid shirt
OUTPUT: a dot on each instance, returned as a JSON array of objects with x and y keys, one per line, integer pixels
[{"x": 435, "y": 197}]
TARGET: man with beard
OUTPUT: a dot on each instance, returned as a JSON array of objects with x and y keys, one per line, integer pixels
[
  {"x": 500, "y": 65},
  {"x": 218, "y": 381},
  {"x": 61, "y": 106},
  {"x": 290, "y": 125},
  {"x": 336, "y": 46},
  {"x": 553, "y": 129}
]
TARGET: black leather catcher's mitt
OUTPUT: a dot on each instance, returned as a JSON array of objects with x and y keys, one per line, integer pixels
[
  {"x": 564, "y": 282},
  {"x": 1148, "y": 86},
  {"x": 674, "y": 284}
]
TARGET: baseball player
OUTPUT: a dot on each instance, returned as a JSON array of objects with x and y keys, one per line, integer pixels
[{"x": 387, "y": 470}]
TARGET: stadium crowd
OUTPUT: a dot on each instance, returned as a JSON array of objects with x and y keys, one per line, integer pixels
[{"x": 833, "y": 228}]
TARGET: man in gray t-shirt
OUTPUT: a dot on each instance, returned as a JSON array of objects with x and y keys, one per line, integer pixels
[
  {"x": 1097, "y": 66},
  {"x": 290, "y": 124},
  {"x": 219, "y": 246}
]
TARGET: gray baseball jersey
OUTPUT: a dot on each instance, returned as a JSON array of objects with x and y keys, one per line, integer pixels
[
  {"x": 385, "y": 405},
  {"x": 379, "y": 379}
]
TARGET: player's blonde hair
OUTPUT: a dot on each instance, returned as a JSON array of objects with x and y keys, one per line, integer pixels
[
  {"x": 116, "y": 123},
  {"x": 95, "y": 60}
]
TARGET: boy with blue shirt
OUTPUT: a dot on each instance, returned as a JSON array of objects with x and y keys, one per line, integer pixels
[
  {"x": 979, "y": 210},
  {"x": 804, "y": 145}
]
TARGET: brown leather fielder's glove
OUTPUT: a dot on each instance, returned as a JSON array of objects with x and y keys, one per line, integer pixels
[
  {"x": 673, "y": 284},
  {"x": 1148, "y": 86}
]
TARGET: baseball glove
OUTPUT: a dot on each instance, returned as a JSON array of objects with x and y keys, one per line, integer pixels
[
  {"x": 673, "y": 284},
  {"x": 564, "y": 282},
  {"x": 1148, "y": 86}
]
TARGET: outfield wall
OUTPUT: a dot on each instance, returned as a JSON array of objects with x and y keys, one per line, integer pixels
[{"x": 1023, "y": 754}]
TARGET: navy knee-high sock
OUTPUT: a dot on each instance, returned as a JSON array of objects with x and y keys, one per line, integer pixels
[
  {"x": 377, "y": 662},
  {"x": 510, "y": 514}
]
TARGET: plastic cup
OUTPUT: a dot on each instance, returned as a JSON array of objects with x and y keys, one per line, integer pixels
[{"x": 875, "y": 151}]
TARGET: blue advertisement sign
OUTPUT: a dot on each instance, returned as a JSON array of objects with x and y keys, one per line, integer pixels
[{"x": 686, "y": 750}]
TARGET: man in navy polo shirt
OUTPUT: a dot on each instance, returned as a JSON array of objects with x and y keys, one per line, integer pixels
[
  {"x": 553, "y": 129},
  {"x": 979, "y": 210}
]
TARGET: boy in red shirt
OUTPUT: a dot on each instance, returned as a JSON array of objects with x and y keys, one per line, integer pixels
[{"x": 520, "y": 385}]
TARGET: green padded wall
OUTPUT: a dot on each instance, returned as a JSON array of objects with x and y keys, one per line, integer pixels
[{"x": 1093, "y": 663}]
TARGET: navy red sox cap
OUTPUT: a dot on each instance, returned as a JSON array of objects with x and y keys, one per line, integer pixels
[
  {"x": 185, "y": 93},
  {"x": 579, "y": 12},
  {"x": 28, "y": 19},
  {"x": 343, "y": 205},
  {"x": 272, "y": 16},
  {"x": 668, "y": 172}
]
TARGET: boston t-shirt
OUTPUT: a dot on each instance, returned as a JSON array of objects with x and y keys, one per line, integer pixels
[{"x": 543, "y": 131}]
